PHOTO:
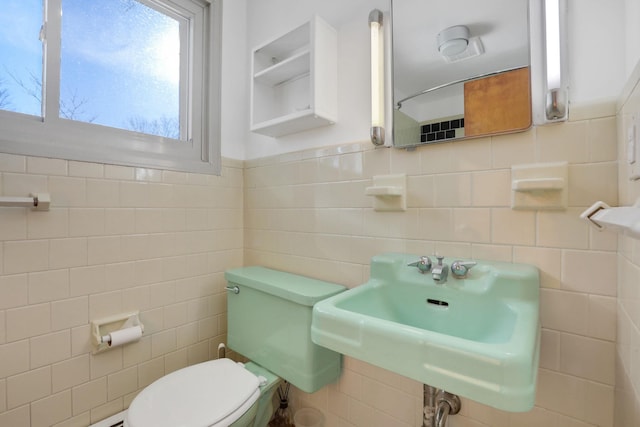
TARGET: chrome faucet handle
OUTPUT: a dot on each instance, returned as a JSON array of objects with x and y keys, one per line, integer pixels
[
  {"x": 439, "y": 258},
  {"x": 459, "y": 268},
  {"x": 423, "y": 264}
]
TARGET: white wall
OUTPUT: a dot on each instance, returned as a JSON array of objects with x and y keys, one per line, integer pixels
[{"x": 597, "y": 71}]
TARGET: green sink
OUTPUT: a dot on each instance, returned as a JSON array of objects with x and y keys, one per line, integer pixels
[{"x": 478, "y": 337}]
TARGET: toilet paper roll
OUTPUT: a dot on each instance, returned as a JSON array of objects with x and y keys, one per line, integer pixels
[{"x": 124, "y": 336}]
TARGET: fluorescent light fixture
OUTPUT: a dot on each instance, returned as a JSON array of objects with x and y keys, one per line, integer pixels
[
  {"x": 555, "y": 73},
  {"x": 377, "y": 77}
]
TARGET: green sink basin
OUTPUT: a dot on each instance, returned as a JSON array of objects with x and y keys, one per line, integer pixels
[{"x": 478, "y": 337}]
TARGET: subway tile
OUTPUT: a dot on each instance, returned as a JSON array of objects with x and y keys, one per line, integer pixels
[
  {"x": 68, "y": 191},
  {"x": 122, "y": 382},
  {"x": 81, "y": 340},
  {"x": 590, "y": 272},
  {"x": 28, "y": 321},
  {"x": 3, "y": 395},
  {"x": 14, "y": 291},
  {"x": 14, "y": 224},
  {"x": 492, "y": 188},
  {"x": 564, "y": 311},
  {"x": 45, "y": 166},
  {"x": 70, "y": 373},
  {"x": 105, "y": 304},
  {"x": 105, "y": 363},
  {"x": 21, "y": 185},
  {"x": 472, "y": 225},
  {"x": 13, "y": 163},
  {"x": 513, "y": 149},
  {"x": 104, "y": 250},
  {"x": 146, "y": 174},
  {"x": 592, "y": 182},
  {"x": 600, "y": 139},
  {"x": 26, "y": 256},
  {"x": 512, "y": 227},
  {"x": 48, "y": 286},
  {"x": 28, "y": 386},
  {"x": 69, "y": 313},
  {"x": 562, "y": 229},
  {"x": 69, "y": 252},
  {"x": 118, "y": 172},
  {"x": 602, "y": 317},
  {"x": 562, "y": 142},
  {"x": 86, "y": 222},
  {"x": 119, "y": 221},
  {"x": 50, "y": 224},
  {"x": 50, "y": 348},
  {"x": 15, "y": 358},
  {"x": 587, "y": 358},
  {"x": 86, "y": 169},
  {"x": 137, "y": 352},
  {"x": 51, "y": 409},
  {"x": 163, "y": 343},
  {"x": 103, "y": 193},
  {"x": 547, "y": 260},
  {"x": 3, "y": 328},
  {"x": 150, "y": 371},
  {"x": 471, "y": 154},
  {"x": 452, "y": 190},
  {"x": 89, "y": 395},
  {"x": 87, "y": 280},
  {"x": 19, "y": 417}
]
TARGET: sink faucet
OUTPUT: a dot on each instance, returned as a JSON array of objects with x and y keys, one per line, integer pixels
[
  {"x": 459, "y": 269},
  {"x": 423, "y": 264},
  {"x": 440, "y": 271}
]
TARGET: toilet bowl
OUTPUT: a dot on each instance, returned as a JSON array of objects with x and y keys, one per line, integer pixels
[{"x": 269, "y": 321}]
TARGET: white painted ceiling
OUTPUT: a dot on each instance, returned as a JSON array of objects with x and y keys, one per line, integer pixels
[{"x": 502, "y": 26}]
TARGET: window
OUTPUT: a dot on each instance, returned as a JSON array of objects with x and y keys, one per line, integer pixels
[{"x": 132, "y": 82}]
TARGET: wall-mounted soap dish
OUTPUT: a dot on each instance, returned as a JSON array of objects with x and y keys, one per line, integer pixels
[{"x": 389, "y": 192}]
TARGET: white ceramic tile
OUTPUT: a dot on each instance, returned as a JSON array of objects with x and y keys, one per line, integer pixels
[
  {"x": 591, "y": 182},
  {"x": 587, "y": 358},
  {"x": 452, "y": 190},
  {"x": 21, "y": 185},
  {"x": 71, "y": 252},
  {"x": 491, "y": 188},
  {"x": 14, "y": 224},
  {"x": 14, "y": 291},
  {"x": 547, "y": 260},
  {"x": 85, "y": 169},
  {"x": 562, "y": 229},
  {"x": 69, "y": 313},
  {"x": 68, "y": 191},
  {"x": 118, "y": 172},
  {"x": 45, "y": 166},
  {"x": 15, "y": 358},
  {"x": 102, "y": 193},
  {"x": 512, "y": 227},
  {"x": 28, "y": 321},
  {"x": 86, "y": 222},
  {"x": 89, "y": 395},
  {"x": 564, "y": 311},
  {"x": 12, "y": 163},
  {"x": 48, "y": 286},
  {"x": 590, "y": 272},
  {"x": 29, "y": 386},
  {"x": 52, "y": 409},
  {"x": 25, "y": 256},
  {"x": 50, "y": 224},
  {"x": 50, "y": 348}
]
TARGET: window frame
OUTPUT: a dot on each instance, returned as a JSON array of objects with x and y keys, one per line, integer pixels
[{"x": 55, "y": 137}]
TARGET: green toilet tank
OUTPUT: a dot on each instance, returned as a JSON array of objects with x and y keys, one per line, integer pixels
[{"x": 269, "y": 322}]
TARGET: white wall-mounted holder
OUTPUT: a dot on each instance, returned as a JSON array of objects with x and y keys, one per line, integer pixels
[
  {"x": 36, "y": 201},
  {"x": 540, "y": 186},
  {"x": 115, "y": 331},
  {"x": 624, "y": 219},
  {"x": 389, "y": 192}
]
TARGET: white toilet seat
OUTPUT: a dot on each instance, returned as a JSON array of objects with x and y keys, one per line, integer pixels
[{"x": 214, "y": 393}]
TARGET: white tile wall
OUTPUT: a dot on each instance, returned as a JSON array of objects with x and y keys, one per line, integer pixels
[
  {"x": 116, "y": 239},
  {"x": 305, "y": 213},
  {"x": 628, "y": 295},
  {"x": 120, "y": 238}
]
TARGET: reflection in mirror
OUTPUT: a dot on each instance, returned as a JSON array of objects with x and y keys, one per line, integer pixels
[{"x": 460, "y": 69}]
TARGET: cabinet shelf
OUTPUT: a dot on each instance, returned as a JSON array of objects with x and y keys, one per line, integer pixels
[
  {"x": 294, "y": 80},
  {"x": 284, "y": 71}
]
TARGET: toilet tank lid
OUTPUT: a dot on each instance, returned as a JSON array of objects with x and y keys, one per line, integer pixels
[{"x": 299, "y": 289}]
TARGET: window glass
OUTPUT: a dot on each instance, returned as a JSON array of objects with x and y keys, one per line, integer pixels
[
  {"x": 21, "y": 56},
  {"x": 120, "y": 66}
]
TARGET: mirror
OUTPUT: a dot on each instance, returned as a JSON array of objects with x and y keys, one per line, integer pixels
[{"x": 460, "y": 69}]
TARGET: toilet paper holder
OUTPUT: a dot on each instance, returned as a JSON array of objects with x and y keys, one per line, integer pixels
[{"x": 101, "y": 329}]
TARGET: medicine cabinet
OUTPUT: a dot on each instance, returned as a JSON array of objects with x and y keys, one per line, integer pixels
[{"x": 294, "y": 80}]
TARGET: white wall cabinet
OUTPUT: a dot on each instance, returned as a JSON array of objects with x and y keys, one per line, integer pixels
[{"x": 294, "y": 80}]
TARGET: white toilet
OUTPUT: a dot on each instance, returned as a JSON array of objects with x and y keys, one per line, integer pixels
[{"x": 269, "y": 321}]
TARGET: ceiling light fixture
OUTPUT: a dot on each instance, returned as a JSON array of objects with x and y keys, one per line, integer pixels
[{"x": 453, "y": 41}]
